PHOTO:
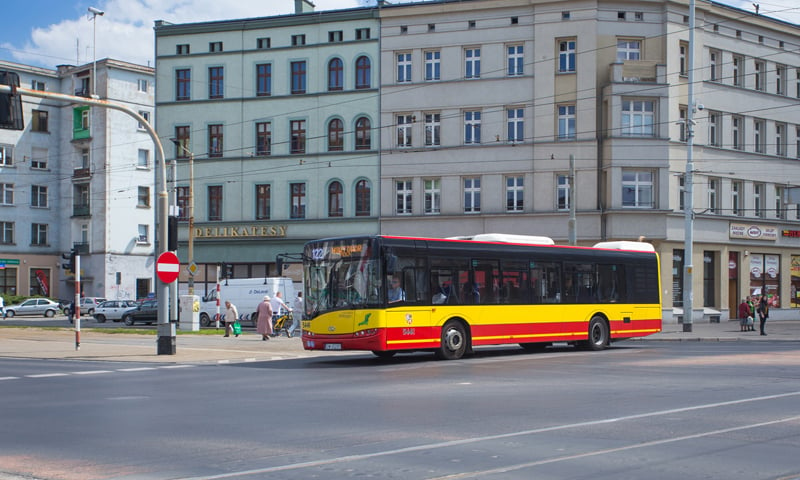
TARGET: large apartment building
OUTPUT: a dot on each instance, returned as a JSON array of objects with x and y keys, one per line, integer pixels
[
  {"x": 79, "y": 178},
  {"x": 500, "y": 116}
]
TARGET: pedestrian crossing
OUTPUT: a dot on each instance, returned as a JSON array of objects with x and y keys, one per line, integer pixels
[{"x": 94, "y": 372}]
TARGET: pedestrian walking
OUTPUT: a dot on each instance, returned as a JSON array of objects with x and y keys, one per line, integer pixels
[
  {"x": 279, "y": 307},
  {"x": 2, "y": 307},
  {"x": 297, "y": 313},
  {"x": 264, "y": 313},
  {"x": 71, "y": 311},
  {"x": 763, "y": 313},
  {"x": 231, "y": 316}
]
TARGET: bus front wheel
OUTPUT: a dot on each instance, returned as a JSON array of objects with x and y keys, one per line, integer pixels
[
  {"x": 453, "y": 342},
  {"x": 598, "y": 334}
]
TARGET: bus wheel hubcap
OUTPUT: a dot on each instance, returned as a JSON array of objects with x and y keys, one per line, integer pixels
[{"x": 453, "y": 340}]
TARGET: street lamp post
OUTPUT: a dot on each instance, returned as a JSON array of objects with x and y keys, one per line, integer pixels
[
  {"x": 190, "y": 208},
  {"x": 95, "y": 12}
]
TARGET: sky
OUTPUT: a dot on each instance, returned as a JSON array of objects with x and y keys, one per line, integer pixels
[{"x": 47, "y": 33}]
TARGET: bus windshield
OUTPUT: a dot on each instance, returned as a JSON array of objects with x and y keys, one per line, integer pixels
[{"x": 341, "y": 274}]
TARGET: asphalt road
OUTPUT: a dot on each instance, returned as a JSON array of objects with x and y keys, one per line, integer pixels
[{"x": 655, "y": 410}]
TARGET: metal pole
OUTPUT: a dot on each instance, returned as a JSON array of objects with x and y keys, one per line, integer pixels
[
  {"x": 191, "y": 223},
  {"x": 688, "y": 201},
  {"x": 77, "y": 304},
  {"x": 573, "y": 236}
]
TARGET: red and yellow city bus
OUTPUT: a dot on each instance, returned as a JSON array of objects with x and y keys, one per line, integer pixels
[{"x": 491, "y": 289}]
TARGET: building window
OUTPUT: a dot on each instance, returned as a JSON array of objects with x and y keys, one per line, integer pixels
[
  {"x": 780, "y": 79},
  {"x": 433, "y": 195},
  {"x": 628, "y": 50},
  {"x": 714, "y": 132},
  {"x": 298, "y": 200},
  {"x": 335, "y": 135},
  {"x": 146, "y": 116},
  {"x": 404, "y": 127},
  {"x": 758, "y": 188},
  {"x": 713, "y": 205},
  {"x": 142, "y": 85},
  {"x": 84, "y": 120},
  {"x": 620, "y": 15},
  {"x": 38, "y": 196},
  {"x": 403, "y": 67},
  {"x": 84, "y": 159},
  {"x": 215, "y": 146},
  {"x": 562, "y": 192},
  {"x": 797, "y": 144},
  {"x": 183, "y": 84},
  {"x": 363, "y": 134},
  {"x": 263, "y": 138},
  {"x": 683, "y": 51},
  {"x": 182, "y": 135},
  {"x": 38, "y": 158},
  {"x": 39, "y": 121},
  {"x": 638, "y": 118},
  {"x": 143, "y": 234},
  {"x": 403, "y": 29},
  {"x": 143, "y": 158},
  {"x": 780, "y": 208},
  {"x": 335, "y": 75},
  {"x": 737, "y": 64},
  {"x": 516, "y": 124},
  {"x": 298, "y": 136},
  {"x": 637, "y": 189},
  {"x": 6, "y": 194},
  {"x": 797, "y": 82},
  {"x": 143, "y": 197},
  {"x": 298, "y": 40},
  {"x": 566, "y": 56},
  {"x": 298, "y": 77},
  {"x": 681, "y": 192},
  {"x": 433, "y": 66},
  {"x": 566, "y": 122},
  {"x": 335, "y": 36},
  {"x": 736, "y": 198},
  {"x": 182, "y": 49},
  {"x": 472, "y": 127},
  {"x": 6, "y": 155},
  {"x": 362, "y": 34},
  {"x": 514, "y": 193},
  {"x": 403, "y": 197},
  {"x": 263, "y": 79},
  {"x": 780, "y": 139},
  {"x": 516, "y": 60},
  {"x": 335, "y": 194},
  {"x": 638, "y": 16},
  {"x": 216, "y": 82},
  {"x": 363, "y": 73},
  {"x": 432, "y": 129},
  {"x": 737, "y": 134},
  {"x": 215, "y": 47},
  {"x": 472, "y": 195},
  {"x": 472, "y": 63},
  {"x": 759, "y": 136},
  {"x": 182, "y": 199},
  {"x": 81, "y": 200},
  {"x": 713, "y": 67},
  {"x": 6, "y": 233},
  {"x": 262, "y": 202},
  {"x": 39, "y": 234},
  {"x": 431, "y": 27},
  {"x": 215, "y": 203},
  {"x": 471, "y": 24},
  {"x": 362, "y": 198},
  {"x": 759, "y": 75},
  {"x": 682, "y": 112},
  {"x": 263, "y": 43}
]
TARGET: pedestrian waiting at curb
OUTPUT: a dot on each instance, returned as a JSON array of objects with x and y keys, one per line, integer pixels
[
  {"x": 745, "y": 319},
  {"x": 231, "y": 316}
]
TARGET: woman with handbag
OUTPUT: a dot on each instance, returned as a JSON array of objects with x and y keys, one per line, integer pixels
[{"x": 231, "y": 317}]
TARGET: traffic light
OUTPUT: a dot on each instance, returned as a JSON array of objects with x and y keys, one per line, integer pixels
[
  {"x": 10, "y": 103},
  {"x": 279, "y": 264},
  {"x": 172, "y": 233},
  {"x": 70, "y": 260},
  {"x": 227, "y": 270}
]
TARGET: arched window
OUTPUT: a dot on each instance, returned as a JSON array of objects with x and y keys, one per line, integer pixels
[
  {"x": 335, "y": 199},
  {"x": 363, "y": 141},
  {"x": 335, "y": 74},
  {"x": 362, "y": 198},
  {"x": 363, "y": 72},
  {"x": 335, "y": 135}
]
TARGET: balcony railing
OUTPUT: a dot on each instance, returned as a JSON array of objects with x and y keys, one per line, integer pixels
[
  {"x": 81, "y": 173},
  {"x": 80, "y": 211}
]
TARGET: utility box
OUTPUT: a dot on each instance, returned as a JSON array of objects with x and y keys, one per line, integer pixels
[{"x": 190, "y": 313}]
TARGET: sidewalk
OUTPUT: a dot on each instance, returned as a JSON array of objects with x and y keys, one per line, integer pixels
[{"x": 248, "y": 347}]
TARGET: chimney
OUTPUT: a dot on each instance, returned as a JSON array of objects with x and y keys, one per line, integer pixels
[{"x": 303, "y": 6}]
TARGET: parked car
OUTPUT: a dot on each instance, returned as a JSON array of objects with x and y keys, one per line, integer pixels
[
  {"x": 34, "y": 306},
  {"x": 88, "y": 304},
  {"x": 144, "y": 312},
  {"x": 112, "y": 310}
]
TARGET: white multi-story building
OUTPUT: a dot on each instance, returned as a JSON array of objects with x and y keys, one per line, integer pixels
[{"x": 79, "y": 178}]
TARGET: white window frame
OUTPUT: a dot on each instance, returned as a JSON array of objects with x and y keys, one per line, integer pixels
[
  {"x": 628, "y": 49},
  {"x": 737, "y": 64},
  {"x": 404, "y": 197},
  {"x": 780, "y": 79},
  {"x": 737, "y": 191},
  {"x": 472, "y": 195},
  {"x": 405, "y": 124},
  {"x": 562, "y": 192},
  {"x": 516, "y": 124},
  {"x": 472, "y": 63},
  {"x": 515, "y": 60},
  {"x": 713, "y": 198},
  {"x": 403, "y": 67},
  {"x": 683, "y": 52},
  {"x": 737, "y": 132},
  {"x": 472, "y": 127},
  {"x": 39, "y": 158},
  {"x": 759, "y": 75},
  {"x": 39, "y": 197},
  {"x": 758, "y": 190},
  {"x": 143, "y": 159},
  {"x": 759, "y": 134},
  {"x": 780, "y": 139},
  {"x": 143, "y": 234},
  {"x": 515, "y": 193},
  {"x": 143, "y": 197},
  {"x": 433, "y": 127},
  {"x": 6, "y": 194},
  {"x": 713, "y": 64},
  {"x": 433, "y": 195},
  {"x": 6, "y": 155},
  {"x": 641, "y": 184},
  {"x": 142, "y": 85},
  {"x": 567, "y": 55},
  {"x": 433, "y": 67},
  {"x": 146, "y": 115},
  {"x": 39, "y": 234},
  {"x": 566, "y": 122},
  {"x": 683, "y": 112},
  {"x": 714, "y": 130},
  {"x": 6, "y": 233},
  {"x": 637, "y": 119},
  {"x": 780, "y": 207}
]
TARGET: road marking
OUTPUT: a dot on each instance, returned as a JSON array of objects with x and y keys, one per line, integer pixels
[
  {"x": 46, "y": 375},
  {"x": 467, "y": 441},
  {"x": 137, "y": 369},
  {"x": 9, "y": 378},
  {"x": 91, "y": 372}
]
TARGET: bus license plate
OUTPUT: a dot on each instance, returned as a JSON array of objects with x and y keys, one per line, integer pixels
[{"x": 333, "y": 346}]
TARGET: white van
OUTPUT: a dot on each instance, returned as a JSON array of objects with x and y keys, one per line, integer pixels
[{"x": 246, "y": 294}]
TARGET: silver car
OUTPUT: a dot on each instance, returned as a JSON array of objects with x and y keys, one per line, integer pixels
[
  {"x": 112, "y": 310},
  {"x": 33, "y": 306}
]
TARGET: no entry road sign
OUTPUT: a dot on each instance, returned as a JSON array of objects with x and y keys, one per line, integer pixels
[{"x": 168, "y": 267}]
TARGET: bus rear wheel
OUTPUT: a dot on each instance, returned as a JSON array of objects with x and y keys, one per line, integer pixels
[
  {"x": 598, "y": 334},
  {"x": 453, "y": 341}
]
